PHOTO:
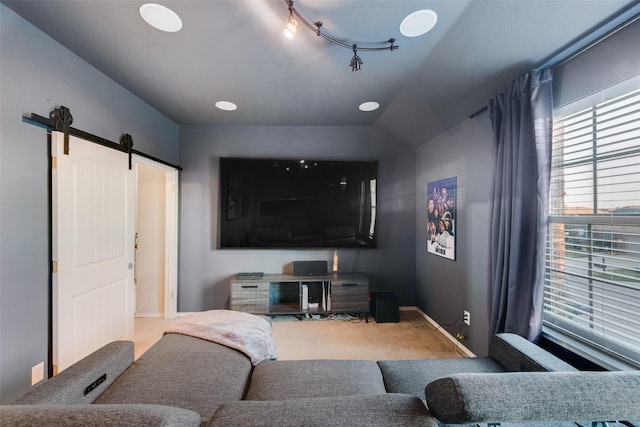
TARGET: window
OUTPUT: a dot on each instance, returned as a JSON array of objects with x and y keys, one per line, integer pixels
[
  {"x": 374, "y": 207},
  {"x": 368, "y": 200},
  {"x": 592, "y": 277}
]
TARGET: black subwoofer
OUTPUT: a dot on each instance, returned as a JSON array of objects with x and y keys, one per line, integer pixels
[{"x": 384, "y": 307}]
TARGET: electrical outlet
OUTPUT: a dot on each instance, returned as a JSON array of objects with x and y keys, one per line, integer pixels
[
  {"x": 466, "y": 318},
  {"x": 37, "y": 373}
]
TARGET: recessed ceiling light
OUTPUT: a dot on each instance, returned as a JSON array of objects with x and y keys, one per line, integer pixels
[
  {"x": 369, "y": 106},
  {"x": 226, "y": 105},
  {"x": 418, "y": 23},
  {"x": 161, "y": 17}
]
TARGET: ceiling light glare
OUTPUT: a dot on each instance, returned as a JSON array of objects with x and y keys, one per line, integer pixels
[
  {"x": 418, "y": 23},
  {"x": 369, "y": 106},
  {"x": 226, "y": 106},
  {"x": 161, "y": 17},
  {"x": 291, "y": 28}
]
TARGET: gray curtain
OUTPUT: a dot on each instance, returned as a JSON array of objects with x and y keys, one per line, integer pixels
[{"x": 521, "y": 118}]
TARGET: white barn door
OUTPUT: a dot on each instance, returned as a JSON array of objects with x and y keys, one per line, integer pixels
[{"x": 93, "y": 220}]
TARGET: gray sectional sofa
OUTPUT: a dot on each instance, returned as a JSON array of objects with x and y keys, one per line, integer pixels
[{"x": 186, "y": 381}]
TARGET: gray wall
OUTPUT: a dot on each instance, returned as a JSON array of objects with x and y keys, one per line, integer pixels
[
  {"x": 445, "y": 288},
  {"x": 205, "y": 272},
  {"x": 37, "y": 75}
]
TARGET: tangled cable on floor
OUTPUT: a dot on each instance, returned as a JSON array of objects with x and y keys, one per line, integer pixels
[{"x": 344, "y": 317}]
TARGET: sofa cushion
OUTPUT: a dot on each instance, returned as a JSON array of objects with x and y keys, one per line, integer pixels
[
  {"x": 291, "y": 379},
  {"x": 97, "y": 415},
  {"x": 411, "y": 376},
  {"x": 345, "y": 411},
  {"x": 185, "y": 372},
  {"x": 535, "y": 397},
  {"x": 82, "y": 382}
]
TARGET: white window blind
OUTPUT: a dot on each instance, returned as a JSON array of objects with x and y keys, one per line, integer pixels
[{"x": 592, "y": 277}]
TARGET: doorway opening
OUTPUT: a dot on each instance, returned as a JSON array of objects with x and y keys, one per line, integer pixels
[{"x": 156, "y": 253}]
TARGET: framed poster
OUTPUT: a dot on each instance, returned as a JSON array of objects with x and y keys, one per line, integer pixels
[{"x": 441, "y": 218}]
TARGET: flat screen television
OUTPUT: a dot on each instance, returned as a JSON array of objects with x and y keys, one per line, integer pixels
[{"x": 297, "y": 203}]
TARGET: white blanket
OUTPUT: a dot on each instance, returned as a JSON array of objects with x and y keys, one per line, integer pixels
[{"x": 244, "y": 332}]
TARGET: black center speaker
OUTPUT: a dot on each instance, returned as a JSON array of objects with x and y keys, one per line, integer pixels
[{"x": 310, "y": 268}]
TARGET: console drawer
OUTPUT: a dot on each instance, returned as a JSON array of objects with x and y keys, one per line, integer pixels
[
  {"x": 250, "y": 296},
  {"x": 349, "y": 296}
]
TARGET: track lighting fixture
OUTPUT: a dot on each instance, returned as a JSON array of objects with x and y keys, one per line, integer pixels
[{"x": 356, "y": 62}]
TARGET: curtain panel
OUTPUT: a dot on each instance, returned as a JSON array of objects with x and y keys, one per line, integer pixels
[{"x": 522, "y": 119}]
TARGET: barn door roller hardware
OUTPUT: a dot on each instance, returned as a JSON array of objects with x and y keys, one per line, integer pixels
[
  {"x": 127, "y": 146},
  {"x": 60, "y": 119}
]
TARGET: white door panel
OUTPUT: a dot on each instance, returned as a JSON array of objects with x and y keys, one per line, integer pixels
[{"x": 93, "y": 242}]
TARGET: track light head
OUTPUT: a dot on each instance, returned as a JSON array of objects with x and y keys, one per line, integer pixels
[
  {"x": 292, "y": 25},
  {"x": 356, "y": 62}
]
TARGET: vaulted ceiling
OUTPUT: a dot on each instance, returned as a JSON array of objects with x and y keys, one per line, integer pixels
[{"x": 234, "y": 50}]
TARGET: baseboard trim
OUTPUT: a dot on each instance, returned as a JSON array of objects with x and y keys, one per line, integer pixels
[
  {"x": 464, "y": 350},
  {"x": 148, "y": 315}
]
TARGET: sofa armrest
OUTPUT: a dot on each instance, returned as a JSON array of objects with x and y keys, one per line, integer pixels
[
  {"x": 97, "y": 415},
  {"x": 517, "y": 354},
  {"x": 535, "y": 396},
  {"x": 85, "y": 380}
]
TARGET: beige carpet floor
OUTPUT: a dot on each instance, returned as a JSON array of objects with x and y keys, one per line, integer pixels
[{"x": 411, "y": 338}]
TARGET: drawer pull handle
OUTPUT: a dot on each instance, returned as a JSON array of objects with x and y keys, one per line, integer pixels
[
  {"x": 249, "y": 286},
  {"x": 349, "y": 284}
]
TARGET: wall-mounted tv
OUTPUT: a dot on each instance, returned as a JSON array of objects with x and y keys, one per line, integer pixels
[{"x": 297, "y": 203}]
